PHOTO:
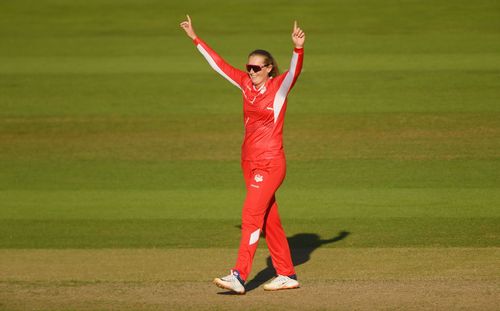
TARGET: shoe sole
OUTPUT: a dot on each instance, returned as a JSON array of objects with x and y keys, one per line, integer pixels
[
  {"x": 219, "y": 283},
  {"x": 282, "y": 288}
]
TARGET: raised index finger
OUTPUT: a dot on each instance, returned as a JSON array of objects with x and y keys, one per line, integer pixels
[
  {"x": 189, "y": 18},
  {"x": 294, "y": 26}
]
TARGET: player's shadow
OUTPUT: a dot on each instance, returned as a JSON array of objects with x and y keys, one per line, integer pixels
[{"x": 301, "y": 247}]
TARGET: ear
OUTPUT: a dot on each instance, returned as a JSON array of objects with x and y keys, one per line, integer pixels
[{"x": 269, "y": 69}]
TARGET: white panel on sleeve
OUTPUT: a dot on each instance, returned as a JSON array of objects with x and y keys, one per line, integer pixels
[
  {"x": 280, "y": 97},
  {"x": 214, "y": 65}
]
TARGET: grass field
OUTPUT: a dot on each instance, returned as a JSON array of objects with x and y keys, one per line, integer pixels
[{"x": 120, "y": 184}]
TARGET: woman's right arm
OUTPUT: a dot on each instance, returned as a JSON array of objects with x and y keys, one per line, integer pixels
[{"x": 232, "y": 74}]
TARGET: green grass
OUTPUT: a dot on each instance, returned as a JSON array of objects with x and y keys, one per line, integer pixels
[
  {"x": 201, "y": 233},
  {"x": 115, "y": 133}
]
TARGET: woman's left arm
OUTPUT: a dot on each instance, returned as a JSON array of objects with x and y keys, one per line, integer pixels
[{"x": 289, "y": 77}]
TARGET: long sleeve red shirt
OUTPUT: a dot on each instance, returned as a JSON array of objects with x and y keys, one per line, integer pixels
[{"x": 264, "y": 108}]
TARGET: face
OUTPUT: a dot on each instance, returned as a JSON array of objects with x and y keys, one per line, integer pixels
[{"x": 259, "y": 78}]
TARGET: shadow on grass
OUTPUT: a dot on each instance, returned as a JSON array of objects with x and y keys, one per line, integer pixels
[{"x": 301, "y": 247}]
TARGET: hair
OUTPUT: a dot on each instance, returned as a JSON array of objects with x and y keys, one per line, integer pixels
[{"x": 268, "y": 60}]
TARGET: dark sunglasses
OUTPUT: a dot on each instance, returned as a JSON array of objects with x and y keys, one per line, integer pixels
[{"x": 255, "y": 68}]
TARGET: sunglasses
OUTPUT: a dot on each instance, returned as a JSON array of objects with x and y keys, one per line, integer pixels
[{"x": 255, "y": 68}]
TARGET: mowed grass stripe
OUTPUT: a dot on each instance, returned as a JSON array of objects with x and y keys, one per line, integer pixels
[
  {"x": 345, "y": 279},
  {"x": 294, "y": 203},
  {"x": 395, "y": 136},
  {"x": 141, "y": 94},
  {"x": 56, "y": 175},
  {"x": 177, "y": 233},
  {"x": 446, "y": 62}
]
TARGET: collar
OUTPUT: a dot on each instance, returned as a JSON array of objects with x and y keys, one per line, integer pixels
[{"x": 263, "y": 87}]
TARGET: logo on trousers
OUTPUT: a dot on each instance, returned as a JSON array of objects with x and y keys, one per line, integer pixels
[{"x": 258, "y": 178}]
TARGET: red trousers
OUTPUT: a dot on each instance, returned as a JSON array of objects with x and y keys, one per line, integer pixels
[{"x": 260, "y": 215}]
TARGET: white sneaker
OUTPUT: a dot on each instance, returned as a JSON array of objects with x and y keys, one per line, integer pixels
[
  {"x": 231, "y": 282},
  {"x": 281, "y": 282}
]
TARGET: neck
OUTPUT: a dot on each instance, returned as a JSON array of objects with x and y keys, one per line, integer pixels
[{"x": 258, "y": 86}]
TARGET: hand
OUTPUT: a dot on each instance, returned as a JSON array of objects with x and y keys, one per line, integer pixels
[
  {"x": 298, "y": 36},
  {"x": 188, "y": 28}
]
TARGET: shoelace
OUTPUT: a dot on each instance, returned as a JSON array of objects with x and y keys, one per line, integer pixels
[
  {"x": 281, "y": 279},
  {"x": 229, "y": 278}
]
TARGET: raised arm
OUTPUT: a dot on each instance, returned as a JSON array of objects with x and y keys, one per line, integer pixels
[
  {"x": 289, "y": 77},
  {"x": 230, "y": 73}
]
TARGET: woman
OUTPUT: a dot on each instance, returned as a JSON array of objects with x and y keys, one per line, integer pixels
[{"x": 263, "y": 160}]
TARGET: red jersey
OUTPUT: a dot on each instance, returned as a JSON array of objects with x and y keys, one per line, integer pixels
[{"x": 263, "y": 108}]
